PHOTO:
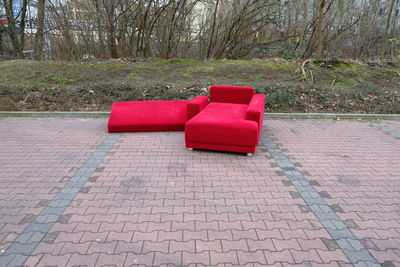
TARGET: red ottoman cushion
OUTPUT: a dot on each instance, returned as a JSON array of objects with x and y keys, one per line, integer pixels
[{"x": 148, "y": 116}]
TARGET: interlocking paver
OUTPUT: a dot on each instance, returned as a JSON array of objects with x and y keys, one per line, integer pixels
[
  {"x": 149, "y": 201},
  {"x": 220, "y": 258},
  {"x": 99, "y": 247},
  {"x": 77, "y": 259},
  {"x": 135, "y": 247},
  {"x": 111, "y": 260},
  {"x": 251, "y": 257},
  {"x": 199, "y": 258},
  {"x": 172, "y": 259}
]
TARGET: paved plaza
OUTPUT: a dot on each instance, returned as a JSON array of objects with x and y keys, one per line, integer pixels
[{"x": 315, "y": 193}]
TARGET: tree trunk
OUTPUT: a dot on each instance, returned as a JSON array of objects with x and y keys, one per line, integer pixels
[
  {"x": 319, "y": 29},
  {"x": 288, "y": 41},
  {"x": 99, "y": 28},
  {"x": 112, "y": 44},
  {"x": 1, "y": 39},
  {"x": 22, "y": 29},
  {"x": 18, "y": 44},
  {"x": 304, "y": 23},
  {"x": 12, "y": 31},
  {"x": 39, "y": 38},
  {"x": 212, "y": 30},
  {"x": 385, "y": 36}
]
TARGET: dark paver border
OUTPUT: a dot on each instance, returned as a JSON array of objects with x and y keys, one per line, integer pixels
[
  {"x": 351, "y": 246},
  {"x": 385, "y": 129},
  {"x": 26, "y": 242},
  {"x": 105, "y": 114}
]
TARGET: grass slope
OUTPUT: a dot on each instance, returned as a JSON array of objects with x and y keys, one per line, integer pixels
[{"x": 94, "y": 85}]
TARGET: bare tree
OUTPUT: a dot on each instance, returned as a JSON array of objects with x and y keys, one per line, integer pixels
[
  {"x": 39, "y": 38},
  {"x": 110, "y": 7},
  {"x": 214, "y": 21},
  {"x": 17, "y": 38},
  {"x": 388, "y": 22},
  {"x": 319, "y": 28},
  {"x": 2, "y": 30},
  {"x": 206, "y": 28}
]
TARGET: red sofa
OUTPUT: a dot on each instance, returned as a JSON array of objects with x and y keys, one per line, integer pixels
[{"x": 232, "y": 121}]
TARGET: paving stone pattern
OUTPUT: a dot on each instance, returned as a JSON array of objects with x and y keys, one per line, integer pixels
[
  {"x": 150, "y": 202},
  {"x": 338, "y": 230},
  {"x": 386, "y": 129}
]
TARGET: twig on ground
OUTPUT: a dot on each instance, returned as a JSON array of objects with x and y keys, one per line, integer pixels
[
  {"x": 26, "y": 98},
  {"x": 312, "y": 76},
  {"x": 303, "y": 69},
  {"x": 333, "y": 82}
]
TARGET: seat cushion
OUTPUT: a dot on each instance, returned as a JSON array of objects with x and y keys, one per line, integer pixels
[
  {"x": 222, "y": 123},
  {"x": 148, "y": 116}
]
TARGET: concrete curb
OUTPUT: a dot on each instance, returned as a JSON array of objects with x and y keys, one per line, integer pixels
[
  {"x": 105, "y": 114},
  {"x": 38, "y": 114},
  {"x": 331, "y": 116}
]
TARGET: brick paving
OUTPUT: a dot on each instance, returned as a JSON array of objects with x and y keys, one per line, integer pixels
[{"x": 316, "y": 192}]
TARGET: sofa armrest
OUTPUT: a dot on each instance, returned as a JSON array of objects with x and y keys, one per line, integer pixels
[
  {"x": 255, "y": 110},
  {"x": 196, "y": 105}
]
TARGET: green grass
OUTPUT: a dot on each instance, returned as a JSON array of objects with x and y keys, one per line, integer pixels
[
  {"x": 186, "y": 71},
  {"x": 47, "y": 83},
  {"x": 178, "y": 61},
  {"x": 58, "y": 80},
  {"x": 277, "y": 66}
]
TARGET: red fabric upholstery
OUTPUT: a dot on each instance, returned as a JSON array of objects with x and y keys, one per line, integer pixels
[
  {"x": 255, "y": 111},
  {"x": 196, "y": 105},
  {"x": 231, "y": 94},
  {"x": 222, "y": 124},
  {"x": 147, "y": 116},
  {"x": 232, "y": 121}
]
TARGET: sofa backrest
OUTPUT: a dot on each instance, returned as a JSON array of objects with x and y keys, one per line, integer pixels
[{"x": 231, "y": 94}]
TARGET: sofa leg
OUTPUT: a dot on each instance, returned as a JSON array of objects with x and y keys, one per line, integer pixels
[
  {"x": 249, "y": 154},
  {"x": 190, "y": 148}
]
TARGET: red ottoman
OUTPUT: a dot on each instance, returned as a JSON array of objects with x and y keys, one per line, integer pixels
[
  {"x": 148, "y": 116},
  {"x": 153, "y": 116}
]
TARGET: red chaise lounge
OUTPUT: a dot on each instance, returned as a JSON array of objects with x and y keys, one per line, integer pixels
[{"x": 232, "y": 121}]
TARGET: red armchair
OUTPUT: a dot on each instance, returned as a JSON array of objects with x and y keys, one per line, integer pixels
[{"x": 232, "y": 121}]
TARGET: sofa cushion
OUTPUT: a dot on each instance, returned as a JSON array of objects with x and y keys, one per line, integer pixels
[
  {"x": 148, "y": 116},
  {"x": 231, "y": 94},
  {"x": 222, "y": 123}
]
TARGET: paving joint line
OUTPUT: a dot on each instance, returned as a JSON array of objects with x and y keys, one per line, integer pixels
[
  {"x": 350, "y": 245},
  {"x": 27, "y": 241},
  {"x": 385, "y": 129}
]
